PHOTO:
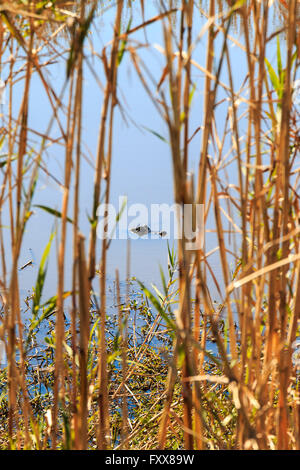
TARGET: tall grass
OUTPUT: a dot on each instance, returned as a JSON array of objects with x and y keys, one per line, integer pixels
[{"x": 73, "y": 393}]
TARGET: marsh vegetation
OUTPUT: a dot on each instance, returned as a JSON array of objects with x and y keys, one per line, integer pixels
[{"x": 162, "y": 367}]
